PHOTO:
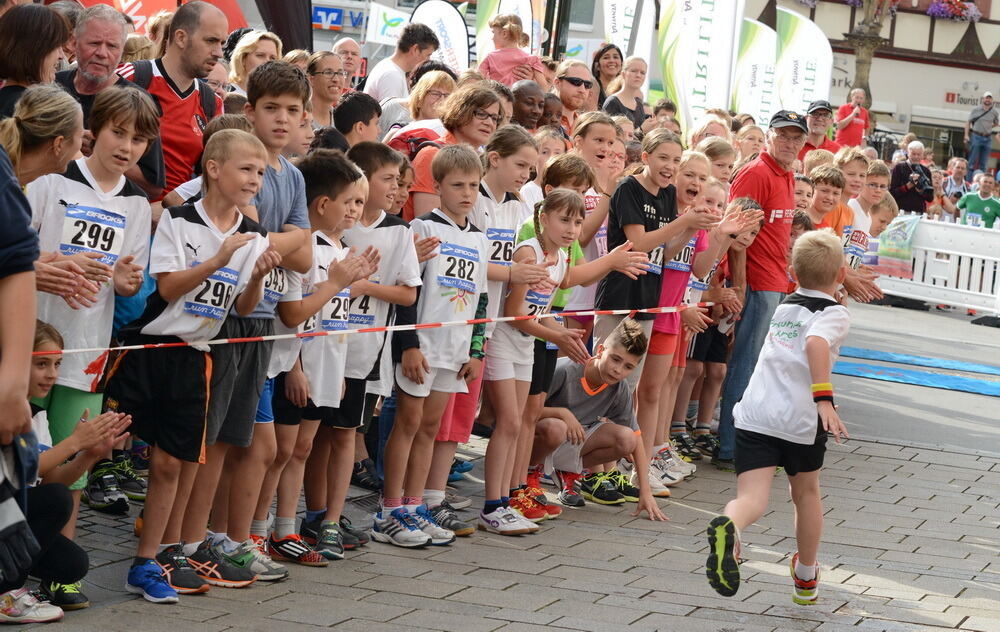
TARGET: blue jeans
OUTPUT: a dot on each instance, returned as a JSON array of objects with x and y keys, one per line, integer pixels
[
  {"x": 979, "y": 154},
  {"x": 751, "y": 331},
  {"x": 386, "y": 417}
]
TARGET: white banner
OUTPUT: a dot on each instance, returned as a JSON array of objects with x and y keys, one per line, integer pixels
[
  {"x": 754, "y": 89},
  {"x": 619, "y": 16},
  {"x": 385, "y": 24},
  {"x": 805, "y": 61},
  {"x": 449, "y": 25}
]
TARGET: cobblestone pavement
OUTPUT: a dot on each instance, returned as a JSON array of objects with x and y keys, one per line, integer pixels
[{"x": 912, "y": 542}]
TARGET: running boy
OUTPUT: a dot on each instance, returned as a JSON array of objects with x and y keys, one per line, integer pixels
[{"x": 778, "y": 426}]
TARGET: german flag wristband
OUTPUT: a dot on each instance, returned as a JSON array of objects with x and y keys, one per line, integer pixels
[{"x": 822, "y": 392}]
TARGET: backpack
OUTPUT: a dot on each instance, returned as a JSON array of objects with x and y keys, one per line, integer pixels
[
  {"x": 144, "y": 76},
  {"x": 409, "y": 143}
]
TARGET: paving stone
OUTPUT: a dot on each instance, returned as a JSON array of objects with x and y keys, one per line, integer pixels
[
  {"x": 520, "y": 598},
  {"x": 982, "y": 624},
  {"x": 450, "y": 622}
]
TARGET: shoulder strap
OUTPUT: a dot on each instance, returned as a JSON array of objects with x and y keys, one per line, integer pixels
[
  {"x": 207, "y": 98},
  {"x": 143, "y": 74}
]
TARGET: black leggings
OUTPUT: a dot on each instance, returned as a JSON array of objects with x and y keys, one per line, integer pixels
[{"x": 60, "y": 559}]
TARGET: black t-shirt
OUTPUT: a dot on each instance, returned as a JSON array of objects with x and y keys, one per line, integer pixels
[
  {"x": 633, "y": 204},
  {"x": 615, "y": 107},
  {"x": 9, "y": 95},
  {"x": 151, "y": 163},
  {"x": 18, "y": 241}
]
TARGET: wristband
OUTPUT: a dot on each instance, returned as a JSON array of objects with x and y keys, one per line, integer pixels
[{"x": 822, "y": 392}]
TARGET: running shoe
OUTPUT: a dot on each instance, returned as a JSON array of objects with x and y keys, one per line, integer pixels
[
  {"x": 673, "y": 462},
  {"x": 353, "y": 537},
  {"x": 456, "y": 500},
  {"x": 598, "y": 487},
  {"x": 364, "y": 476},
  {"x": 628, "y": 491},
  {"x": 129, "y": 481},
  {"x": 566, "y": 482},
  {"x": 399, "y": 529},
  {"x": 525, "y": 505},
  {"x": 461, "y": 466},
  {"x": 667, "y": 469},
  {"x": 147, "y": 579},
  {"x": 722, "y": 566},
  {"x": 248, "y": 556},
  {"x": 656, "y": 486},
  {"x": 330, "y": 543},
  {"x": 454, "y": 477},
  {"x": 806, "y": 592},
  {"x": 139, "y": 453},
  {"x": 444, "y": 514},
  {"x": 20, "y": 606},
  {"x": 215, "y": 569},
  {"x": 102, "y": 492},
  {"x": 725, "y": 465},
  {"x": 706, "y": 444},
  {"x": 503, "y": 521},
  {"x": 65, "y": 596},
  {"x": 178, "y": 573},
  {"x": 425, "y": 521},
  {"x": 292, "y": 548},
  {"x": 684, "y": 443},
  {"x": 552, "y": 509}
]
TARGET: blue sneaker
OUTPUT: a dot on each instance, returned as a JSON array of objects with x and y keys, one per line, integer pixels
[
  {"x": 460, "y": 466},
  {"x": 148, "y": 580},
  {"x": 454, "y": 477}
]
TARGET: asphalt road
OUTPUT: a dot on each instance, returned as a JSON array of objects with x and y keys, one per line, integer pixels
[{"x": 916, "y": 414}]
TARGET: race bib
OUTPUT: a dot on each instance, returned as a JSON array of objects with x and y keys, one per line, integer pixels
[
  {"x": 336, "y": 312},
  {"x": 601, "y": 239},
  {"x": 856, "y": 248},
  {"x": 551, "y": 345},
  {"x": 275, "y": 285},
  {"x": 362, "y": 312},
  {"x": 214, "y": 296},
  {"x": 682, "y": 260},
  {"x": 88, "y": 229},
  {"x": 501, "y": 245},
  {"x": 457, "y": 267},
  {"x": 310, "y": 323},
  {"x": 655, "y": 265},
  {"x": 974, "y": 219}
]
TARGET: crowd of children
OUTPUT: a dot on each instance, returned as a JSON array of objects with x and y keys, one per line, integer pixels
[{"x": 280, "y": 235}]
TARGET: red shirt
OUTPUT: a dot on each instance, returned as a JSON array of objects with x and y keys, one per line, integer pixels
[
  {"x": 181, "y": 125},
  {"x": 764, "y": 181},
  {"x": 827, "y": 144},
  {"x": 855, "y": 130}
]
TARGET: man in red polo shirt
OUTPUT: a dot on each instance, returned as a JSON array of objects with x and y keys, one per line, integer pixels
[
  {"x": 852, "y": 120},
  {"x": 819, "y": 117},
  {"x": 770, "y": 181}
]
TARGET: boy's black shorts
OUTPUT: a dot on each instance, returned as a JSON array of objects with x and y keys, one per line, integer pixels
[
  {"x": 544, "y": 368},
  {"x": 238, "y": 380},
  {"x": 166, "y": 391},
  {"x": 356, "y": 407},
  {"x": 755, "y": 451},
  {"x": 710, "y": 346}
]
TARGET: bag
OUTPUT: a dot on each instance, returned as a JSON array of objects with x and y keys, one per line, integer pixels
[
  {"x": 144, "y": 76},
  {"x": 410, "y": 143}
]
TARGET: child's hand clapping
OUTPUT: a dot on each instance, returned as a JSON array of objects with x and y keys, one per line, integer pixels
[{"x": 128, "y": 276}]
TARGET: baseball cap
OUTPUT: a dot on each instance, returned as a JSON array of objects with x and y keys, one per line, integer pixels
[
  {"x": 988, "y": 94},
  {"x": 787, "y": 118},
  {"x": 819, "y": 105}
]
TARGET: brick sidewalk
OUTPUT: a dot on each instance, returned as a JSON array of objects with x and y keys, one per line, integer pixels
[{"x": 912, "y": 542}]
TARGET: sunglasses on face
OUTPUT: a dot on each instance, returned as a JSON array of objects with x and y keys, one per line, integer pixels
[{"x": 577, "y": 81}]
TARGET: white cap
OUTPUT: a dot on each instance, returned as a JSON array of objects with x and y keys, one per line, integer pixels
[{"x": 987, "y": 94}]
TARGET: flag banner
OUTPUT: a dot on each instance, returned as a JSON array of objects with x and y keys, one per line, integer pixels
[
  {"x": 140, "y": 12},
  {"x": 619, "y": 16},
  {"x": 895, "y": 247},
  {"x": 643, "y": 44},
  {"x": 754, "y": 90},
  {"x": 385, "y": 24},
  {"x": 449, "y": 25},
  {"x": 805, "y": 61},
  {"x": 696, "y": 53}
]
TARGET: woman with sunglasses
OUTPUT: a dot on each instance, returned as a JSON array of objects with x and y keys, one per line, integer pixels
[
  {"x": 573, "y": 84},
  {"x": 470, "y": 115},
  {"x": 327, "y": 78},
  {"x": 607, "y": 67}
]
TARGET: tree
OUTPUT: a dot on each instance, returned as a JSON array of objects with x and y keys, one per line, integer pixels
[{"x": 866, "y": 38}]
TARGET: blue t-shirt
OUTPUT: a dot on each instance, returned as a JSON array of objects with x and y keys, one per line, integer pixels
[
  {"x": 18, "y": 242},
  {"x": 281, "y": 200}
]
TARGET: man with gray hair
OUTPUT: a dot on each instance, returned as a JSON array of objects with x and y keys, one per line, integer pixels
[
  {"x": 853, "y": 121},
  {"x": 910, "y": 184},
  {"x": 100, "y": 40},
  {"x": 350, "y": 54}
]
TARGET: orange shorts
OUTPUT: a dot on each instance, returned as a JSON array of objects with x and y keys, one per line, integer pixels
[{"x": 662, "y": 343}]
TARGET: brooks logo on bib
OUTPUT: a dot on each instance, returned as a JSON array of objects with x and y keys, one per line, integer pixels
[
  {"x": 501, "y": 245},
  {"x": 214, "y": 296},
  {"x": 87, "y": 229},
  {"x": 457, "y": 267}
]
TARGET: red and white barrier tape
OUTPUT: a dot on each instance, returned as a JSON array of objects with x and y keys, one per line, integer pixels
[{"x": 387, "y": 328}]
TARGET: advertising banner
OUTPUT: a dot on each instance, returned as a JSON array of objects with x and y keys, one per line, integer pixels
[
  {"x": 805, "y": 61},
  {"x": 895, "y": 247},
  {"x": 140, "y": 12},
  {"x": 753, "y": 86},
  {"x": 385, "y": 24},
  {"x": 619, "y": 16},
  {"x": 449, "y": 25}
]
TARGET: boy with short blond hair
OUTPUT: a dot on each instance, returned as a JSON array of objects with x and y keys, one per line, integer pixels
[{"x": 785, "y": 416}]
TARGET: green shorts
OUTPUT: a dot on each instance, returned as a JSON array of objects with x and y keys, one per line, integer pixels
[{"x": 65, "y": 406}]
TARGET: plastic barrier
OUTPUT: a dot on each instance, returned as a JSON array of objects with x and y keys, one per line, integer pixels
[{"x": 953, "y": 264}]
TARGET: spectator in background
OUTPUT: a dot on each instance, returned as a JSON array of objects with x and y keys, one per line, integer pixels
[
  {"x": 32, "y": 38},
  {"x": 218, "y": 81},
  {"x": 529, "y": 103},
  {"x": 911, "y": 184},
  {"x": 138, "y": 47},
  {"x": 870, "y": 153},
  {"x": 626, "y": 93},
  {"x": 819, "y": 117},
  {"x": 254, "y": 49},
  {"x": 298, "y": 58},
  {"x": 424, "y": 102},
  {"x": 327, "y": 78},
  {"x": 350, "y": 54},
  {"x": 606, "y": 68},
  {"x": 979, "y": 134},
  {"x": 749, "y": 141},
  {"x": 506, "y": 57},
  {"x": 572, "y": 83},
  {"x": 100, "y": 41},
  {"x": 387, "y": 80},
  {"x": 955, "y": 185},
  {"x": 156, "y": 28},
  {"x": 853, "y": 121}
]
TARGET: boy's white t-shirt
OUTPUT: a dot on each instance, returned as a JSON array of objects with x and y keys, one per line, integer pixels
[
  {"x": 285, "y": 351},
  {"x": 188, "y": 189},
  {"x": 857, "y": 235},
  {"x": 72, "y": 215},
  {"x": 185, "y": 237},
  {"x": 393, "y": 238},
  {"x": 778, "y": 400},
  {"x": 386, "y": 81},
  {"x": 583, "y": 296}
]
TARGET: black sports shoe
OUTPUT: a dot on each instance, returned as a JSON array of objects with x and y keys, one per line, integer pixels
[
  {"x": 444, "y": 514},
  {"x": 628, "y": 491},
  {"x": 566, "y": 483},
  {"x": 686, "y": 446},
  {"x": 178, "y": 572},
  {"x": 215, "y": 569},
  {"x": 102, "y": 492},
  {"x": 330, "y": 543},
  {"x": 66, "y": 596},
  {"x": 353, "y": 537},
  {"x": 364, "y": 476},
  {"x": 599, "y": 487},
  {"x": 129, "y": 481},
  {"x": 707, "y": 444}
]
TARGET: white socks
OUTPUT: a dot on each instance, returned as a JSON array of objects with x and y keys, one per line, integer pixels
[
  {"x": 283, "y": 527},
  {"x": 805, "y": 573},
  {"x": 433, "y": 497}
]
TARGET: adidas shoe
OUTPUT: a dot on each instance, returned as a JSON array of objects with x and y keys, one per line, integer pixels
[
  {"x": 102, "y": 492},
  {"x": 806, "y": 592},
  {"x": 178, "y": 573},
  {"x": 292, "y": 548},
  {"x": 399, "y": 529},
  {"x": 722, "y": 567},
  {"x": 504, "y": 521},
  {"x": 425, "y": 521},
  {"x": 444, "y": 514},
  {"x": 598, "y": 487},
  {"x": 215, "y": 569}
]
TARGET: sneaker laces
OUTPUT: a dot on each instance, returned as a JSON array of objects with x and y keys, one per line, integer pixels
[
  {"x": 408, "y": 520},
  {"x": 123, "y": 467}
]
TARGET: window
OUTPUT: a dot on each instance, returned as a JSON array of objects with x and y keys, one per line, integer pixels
[{"x": 581, "y": 14}]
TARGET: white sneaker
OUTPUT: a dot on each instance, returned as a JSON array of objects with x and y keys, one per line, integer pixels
[
  {"x": 656, "y": 486},
  {"x": 399, "y": 529},
  {"x": 504, "y": 521},
  {"x": 20, "y": 606},
  {"x": 664, "y": 467},
  {"x": 687, "y": 468},
  {"x": 438, "y": 534},
  {"x": 267, "y": 569},
  {"x": 528, "y": 524}
]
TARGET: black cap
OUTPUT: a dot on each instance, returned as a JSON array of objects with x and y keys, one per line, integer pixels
[
  {"x": 787, "y": 118},
  {"x": 819, "y": 105}
]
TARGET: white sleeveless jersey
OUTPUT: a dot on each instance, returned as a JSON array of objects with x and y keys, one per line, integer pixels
[
  {"x": 583, "y": 296},
  {"x": 452, "y": 283},
  {"x": 285, "y": 351},
  {"x": 511, "y": 344}
]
